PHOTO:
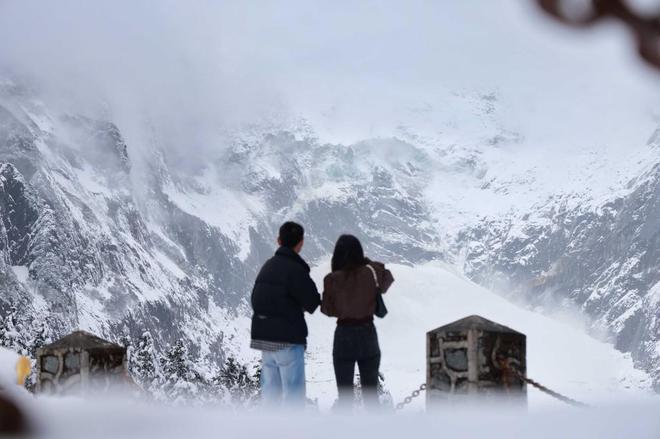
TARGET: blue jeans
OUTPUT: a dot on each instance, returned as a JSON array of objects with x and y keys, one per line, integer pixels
[{"x": 283, "y": 376}]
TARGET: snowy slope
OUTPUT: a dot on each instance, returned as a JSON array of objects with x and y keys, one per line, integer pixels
[
  {"x": 560, "y": 356},
  {"x": 72, "y": 418},
  {"x": 559, "y": 353}
]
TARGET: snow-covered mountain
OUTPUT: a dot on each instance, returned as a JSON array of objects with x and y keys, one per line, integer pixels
[
  {"x": 602, "y": 259},
  {"x": 98, "y": 236}
]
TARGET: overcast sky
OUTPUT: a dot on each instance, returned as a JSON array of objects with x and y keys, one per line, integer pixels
[{"x": 354, "y": 69}]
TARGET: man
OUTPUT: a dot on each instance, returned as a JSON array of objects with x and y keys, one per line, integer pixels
[{"x": 282, "y": 293}]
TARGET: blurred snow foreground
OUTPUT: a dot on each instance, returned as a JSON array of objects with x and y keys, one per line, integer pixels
[
  {"x": 560, "y": 355},
  {"x": 73, "y": 418}
]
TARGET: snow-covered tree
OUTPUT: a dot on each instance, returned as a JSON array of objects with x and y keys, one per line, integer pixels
[
  {"x": 41, "y": 336},
  {"x": 238, "y": 382},
  {"x": 12, "y": 331},
  {"x": 143, "y": 363},
  {"x": 180, "y": 382}
]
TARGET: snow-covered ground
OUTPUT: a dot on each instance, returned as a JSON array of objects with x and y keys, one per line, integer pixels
[
  {"x": 119, "y": 419},
  {"x": 560, "y": 355}
]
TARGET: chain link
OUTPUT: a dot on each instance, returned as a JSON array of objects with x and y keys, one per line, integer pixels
[
  {"x": 644, "y": 27},
  {"x": 408, "y": 399},
  {"x": 545, "y": 390},
  {"x": 415, "y": 393}
]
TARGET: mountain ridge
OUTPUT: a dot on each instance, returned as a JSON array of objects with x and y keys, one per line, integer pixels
[{"x": 176, "y": 253}]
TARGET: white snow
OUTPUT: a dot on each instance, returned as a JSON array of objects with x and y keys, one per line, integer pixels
[
  {"x": 422, "y": 298},
  {"x": 169, "y": 264},
  {"x": 8, "y": 361},
  {"x": 22, "y": 273},
  {"x": 40, "y": 117},
  {"x": 231, "y": 211},
  {"x": 121, "y": 418},
  {"x": 654, "y": 295},
  {"x": 521, "y": 140},
  {"x": 115, "y": 416},
  {"x": 559, "y": 353}
]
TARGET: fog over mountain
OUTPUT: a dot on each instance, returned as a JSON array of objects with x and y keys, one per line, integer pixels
[{"x": 149, "y": 150}]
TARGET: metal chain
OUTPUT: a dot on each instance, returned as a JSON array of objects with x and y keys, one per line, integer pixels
[
  {"x": 645, "y": 27},
  {"x": 541, "y": 387},
  {"x": 408, "y": 399},
  {"x": 552, "y": 393},
  {"x": 509, "y": 366}
]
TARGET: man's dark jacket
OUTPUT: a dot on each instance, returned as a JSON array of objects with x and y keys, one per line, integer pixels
[{"x": 282, "y": 293}]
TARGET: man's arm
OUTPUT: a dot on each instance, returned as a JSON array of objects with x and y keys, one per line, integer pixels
[{"x": 303, "y": 289}]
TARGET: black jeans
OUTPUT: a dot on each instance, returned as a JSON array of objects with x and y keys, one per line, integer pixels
[{"x": 356, "y": 344}]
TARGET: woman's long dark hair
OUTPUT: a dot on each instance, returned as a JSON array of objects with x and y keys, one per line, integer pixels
[{"x": 348, "y": 254}]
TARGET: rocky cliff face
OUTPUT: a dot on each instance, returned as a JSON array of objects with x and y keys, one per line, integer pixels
[
  {"x": 84, "y": 247},
  {"x": 602, "y": 259},
  {"x": 90, "y": 242},
  {"x": 93, "y": 259}
]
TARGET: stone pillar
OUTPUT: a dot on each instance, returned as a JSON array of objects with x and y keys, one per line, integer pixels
[{"x": 475, "y": 359}]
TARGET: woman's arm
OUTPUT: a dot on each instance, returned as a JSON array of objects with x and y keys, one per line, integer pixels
[
  {"x": 385, "y": 278},
  {"x": 328, "y": 302}
]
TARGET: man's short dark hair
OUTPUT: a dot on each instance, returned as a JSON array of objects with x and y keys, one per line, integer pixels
[{"x": 291, "y": 234}]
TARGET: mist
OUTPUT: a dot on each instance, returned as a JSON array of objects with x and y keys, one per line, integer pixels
[{"x": 180, "y": 74}]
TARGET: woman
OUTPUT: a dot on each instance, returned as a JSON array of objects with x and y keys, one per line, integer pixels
[{"x": 350, "y": 294}]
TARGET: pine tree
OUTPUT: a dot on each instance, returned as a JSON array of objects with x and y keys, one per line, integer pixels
[
  {"x": 180, "y": 381},
  {"x": 12, "y": 332},
  {"x": 236, "y": 381},
  {"x": 143, "y": 363},
  {"x": 40, "y": 336}
]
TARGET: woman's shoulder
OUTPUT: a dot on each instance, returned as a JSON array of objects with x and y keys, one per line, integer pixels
[
  {"x": 334, "y": 276},
  {"x": 378, "y": 266},
  {"x": 385, "y": 278},
  {"x": 340, "y": 276}
]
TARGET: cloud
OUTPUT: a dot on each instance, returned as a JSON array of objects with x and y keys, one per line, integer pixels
[{"x": 183, "y": 70}]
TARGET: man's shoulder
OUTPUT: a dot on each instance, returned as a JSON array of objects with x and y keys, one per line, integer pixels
[
  {"x": 292, "y": 259},
  {"x": 280, "y": 266},
  {"x": 268, "y": 263}
]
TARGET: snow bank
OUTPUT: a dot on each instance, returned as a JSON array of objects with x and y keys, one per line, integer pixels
[
  {"x": 560, "y": 355},
  {"x": 72, "y": 418},
  {"x": 8, "y": 360}
]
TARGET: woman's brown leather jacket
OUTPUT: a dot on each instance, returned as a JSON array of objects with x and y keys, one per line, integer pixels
[{"x": 351, "y": 295}]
